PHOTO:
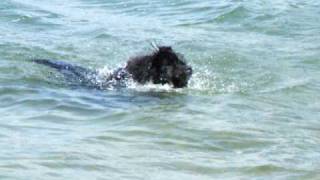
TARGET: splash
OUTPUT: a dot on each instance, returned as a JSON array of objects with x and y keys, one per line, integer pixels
[
  {"x": 203, "y": 81},
  {"x": 208, "y": 82},
  {"x": 105, "y": 72}
]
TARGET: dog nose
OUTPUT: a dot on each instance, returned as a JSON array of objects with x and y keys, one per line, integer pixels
[{"x": 189, "y": 70}]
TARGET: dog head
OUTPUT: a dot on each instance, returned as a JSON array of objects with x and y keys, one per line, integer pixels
[{"x": 168, "y": 67}]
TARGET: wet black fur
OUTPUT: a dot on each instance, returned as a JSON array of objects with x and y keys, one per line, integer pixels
[{"x": 163, "y": 66}]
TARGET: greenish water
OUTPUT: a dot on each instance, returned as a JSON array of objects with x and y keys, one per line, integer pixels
[{"x": 252, "y": 109}]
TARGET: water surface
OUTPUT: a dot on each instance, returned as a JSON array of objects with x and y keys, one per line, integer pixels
[{"x": 251, "y": 111}]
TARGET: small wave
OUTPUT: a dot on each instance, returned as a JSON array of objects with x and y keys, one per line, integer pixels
[
  {"x": 289, "y": 85},
  {"x": 236, "y": 14}
]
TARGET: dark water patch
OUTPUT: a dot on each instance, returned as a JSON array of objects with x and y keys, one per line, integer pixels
[
  {"x": 265, "y": 171},
  {"x": 9, "y": 167}
]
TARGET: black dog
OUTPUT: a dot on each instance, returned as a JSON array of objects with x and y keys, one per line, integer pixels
[{"x": 163, "y": 66}]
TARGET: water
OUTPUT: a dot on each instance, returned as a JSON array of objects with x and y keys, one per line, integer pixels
[{"x": 251, "y": 111}]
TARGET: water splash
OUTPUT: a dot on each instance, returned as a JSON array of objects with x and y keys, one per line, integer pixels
[{"x": 202, "y": 81}]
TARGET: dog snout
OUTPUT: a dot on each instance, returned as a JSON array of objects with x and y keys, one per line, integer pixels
[{"x": 189, "y": 71}]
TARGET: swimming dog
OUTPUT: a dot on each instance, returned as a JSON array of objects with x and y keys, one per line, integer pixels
[{"x": 162, "y": 66}]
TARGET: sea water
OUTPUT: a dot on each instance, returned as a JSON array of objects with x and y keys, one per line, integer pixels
[{"x": 251, "y": 110}]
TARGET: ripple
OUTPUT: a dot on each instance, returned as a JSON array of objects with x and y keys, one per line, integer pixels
[
  {"x": 291, "y": 85},
  {"x": 237, "y": 14}
]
